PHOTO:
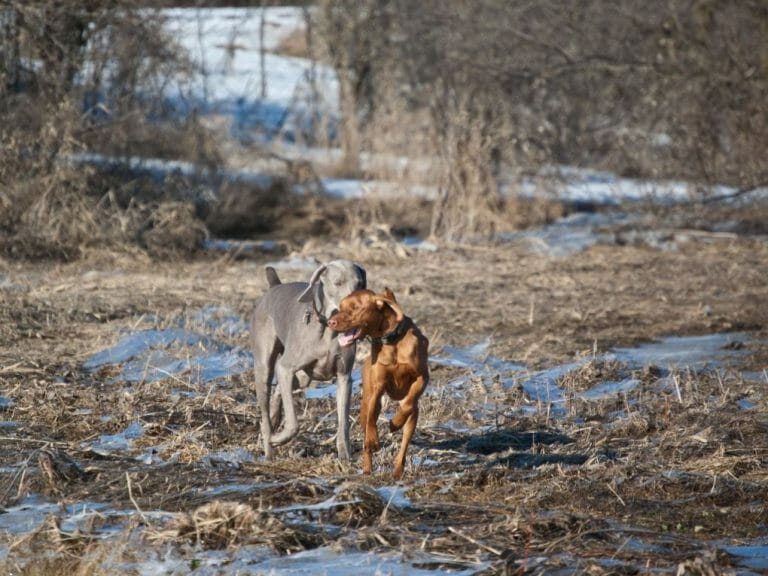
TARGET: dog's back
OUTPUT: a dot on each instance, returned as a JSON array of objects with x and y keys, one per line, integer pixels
[{"x": 279, "y": 305}]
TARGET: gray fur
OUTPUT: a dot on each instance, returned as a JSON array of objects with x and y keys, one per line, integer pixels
[{"x": 293, "y": 345}]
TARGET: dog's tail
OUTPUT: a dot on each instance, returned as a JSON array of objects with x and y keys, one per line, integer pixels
[{"x": 272, "y": 278}]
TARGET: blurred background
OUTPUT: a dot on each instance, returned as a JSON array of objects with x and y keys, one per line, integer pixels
[{"x": 174, "y": 127}]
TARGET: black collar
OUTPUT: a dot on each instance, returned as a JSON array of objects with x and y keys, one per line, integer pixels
[
  {"x": 395, "y": 335},
  {"x": 317, "y": 314},
  {"x": 320, "y": 318}
]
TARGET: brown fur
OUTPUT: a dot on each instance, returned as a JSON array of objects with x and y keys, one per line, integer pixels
[{"x": 397, "y": 368}]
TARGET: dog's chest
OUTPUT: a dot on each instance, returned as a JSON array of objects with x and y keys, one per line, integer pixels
[
  {"x": 324, "y": 368},
  {"x": 334, "y": 361},
  {"x": 401, "y": 378}
]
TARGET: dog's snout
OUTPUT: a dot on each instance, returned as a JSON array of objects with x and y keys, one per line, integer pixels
[{"x": 332, "y": 322}]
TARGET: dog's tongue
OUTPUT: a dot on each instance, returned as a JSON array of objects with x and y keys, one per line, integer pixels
[{"x": 347, "y": 338}]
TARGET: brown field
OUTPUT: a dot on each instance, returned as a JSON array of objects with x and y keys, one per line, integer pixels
[{"x": 664, "y": 487}]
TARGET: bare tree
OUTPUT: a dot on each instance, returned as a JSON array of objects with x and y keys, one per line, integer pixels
[
  {"x": 674, "y": 88},
  {"x": 355, "y": 35},
  {"x": 72, "y": 74}
]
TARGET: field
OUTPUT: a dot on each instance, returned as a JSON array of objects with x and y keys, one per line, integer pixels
[
  {"x": 573, "y": 210},
  {"x": 555, "y": 437}
]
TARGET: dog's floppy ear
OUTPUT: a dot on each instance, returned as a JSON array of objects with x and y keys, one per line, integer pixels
[
  {"x": 363, "y": 276},
  {"x": 380, "y": 301},
  {"x": 309, "y": 292},
  {"x": 389, "y": 294}
]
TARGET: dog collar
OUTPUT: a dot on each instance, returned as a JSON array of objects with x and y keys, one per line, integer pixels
[
  {"x": 317, "y": 314},
  {"x": 395, "y": 335}
]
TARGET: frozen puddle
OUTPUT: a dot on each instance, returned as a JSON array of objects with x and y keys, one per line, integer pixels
[
  {"x": 475, "y": 358},
  {"x": 241, "y": 246},
  {"x": 193, "y": 350},
  {"x": 135, "y": 344},
  {"x": 322, "y": 561},
  {"x": 695, "y": 352},
  {"x": 542, "y": 386},
  {"x": 608, "y": 389},
  {"x": 395, "y": 496},
  {"x": 569, "y": 235},
  {"x": 155, "y": 354},
  {"x": 391, "y": 496},
  {"x": 158, "y": 365},
  {"x": 33, "y": 510},
  {"x": 668, "y": 354},
  {"x": 582, "y": 230},
  {"x": 120, "y": 442},
  {"x": 544, "y": 392},
  {"x": 754, "y": 557}
]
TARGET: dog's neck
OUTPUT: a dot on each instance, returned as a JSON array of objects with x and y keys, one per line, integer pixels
[{"x": 393, "y": 332}]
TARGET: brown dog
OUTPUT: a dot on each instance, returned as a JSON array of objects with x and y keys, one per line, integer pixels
[{"x": 397, "y": 364}]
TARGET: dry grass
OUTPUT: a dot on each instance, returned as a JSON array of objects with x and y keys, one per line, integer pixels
[
  {"x": 58, "y": 215},
  {"x": 590, "y": 374},
  {"x": 226, "y": 524},
  {"x": 173, "y": 229},
  {"x": 675, "y": 471}
]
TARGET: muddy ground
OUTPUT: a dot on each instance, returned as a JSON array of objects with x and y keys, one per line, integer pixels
[{"x": 666, "y": 476}]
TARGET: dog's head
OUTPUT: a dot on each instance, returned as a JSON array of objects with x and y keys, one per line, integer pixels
[
  {"x": 331, "y": 282},
  {"x": 366, "y": 314}
]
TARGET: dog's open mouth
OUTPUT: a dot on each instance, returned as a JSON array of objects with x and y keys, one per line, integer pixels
[{"x": 348, "y": 337}]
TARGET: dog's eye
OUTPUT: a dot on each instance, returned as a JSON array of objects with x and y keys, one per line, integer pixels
[{"x": 338, "y": 283}]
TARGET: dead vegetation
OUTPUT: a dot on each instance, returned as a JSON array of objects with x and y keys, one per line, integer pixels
[
  {"x": 660, "y": 472},
  {"x": 603, "y": 89},
  {"x": 228, "y": 524},
  {"x": 655, "y": 479},
  {"x": 485, "y": 89}
]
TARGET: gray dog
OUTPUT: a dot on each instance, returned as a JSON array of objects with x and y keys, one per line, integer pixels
[{"x": 293, "y": 343}]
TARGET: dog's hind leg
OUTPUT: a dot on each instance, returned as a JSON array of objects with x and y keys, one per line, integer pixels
[
  {"x": 266, "y": 350},
  {"x": 263, "y": 376},
  {"x": 276, "y": 409},
  {"x": 343, "y": 397},
  {"x": 276, "y": 403},
  {"x": 285, "y": 376}
]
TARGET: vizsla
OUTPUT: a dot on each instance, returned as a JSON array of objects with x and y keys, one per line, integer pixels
[{"x": 397, "y": 364}]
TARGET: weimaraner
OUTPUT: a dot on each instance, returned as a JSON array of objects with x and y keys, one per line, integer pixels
[{"x": 293, "y": 342}]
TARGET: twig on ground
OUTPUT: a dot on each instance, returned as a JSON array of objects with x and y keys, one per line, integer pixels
[
  {"x": 132, "y": 499},
  {"x": 474, "y": 541}
]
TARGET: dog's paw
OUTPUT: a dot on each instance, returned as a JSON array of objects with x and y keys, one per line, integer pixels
[{"x": 371, "y": 444}]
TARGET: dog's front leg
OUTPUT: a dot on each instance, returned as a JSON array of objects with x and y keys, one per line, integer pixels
[
  {"x": 408, "y": 404},
  {"x": 408, "y": 429},
  {"x": 343, "y": 397},
  {"x": 370, "y": 430}
]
